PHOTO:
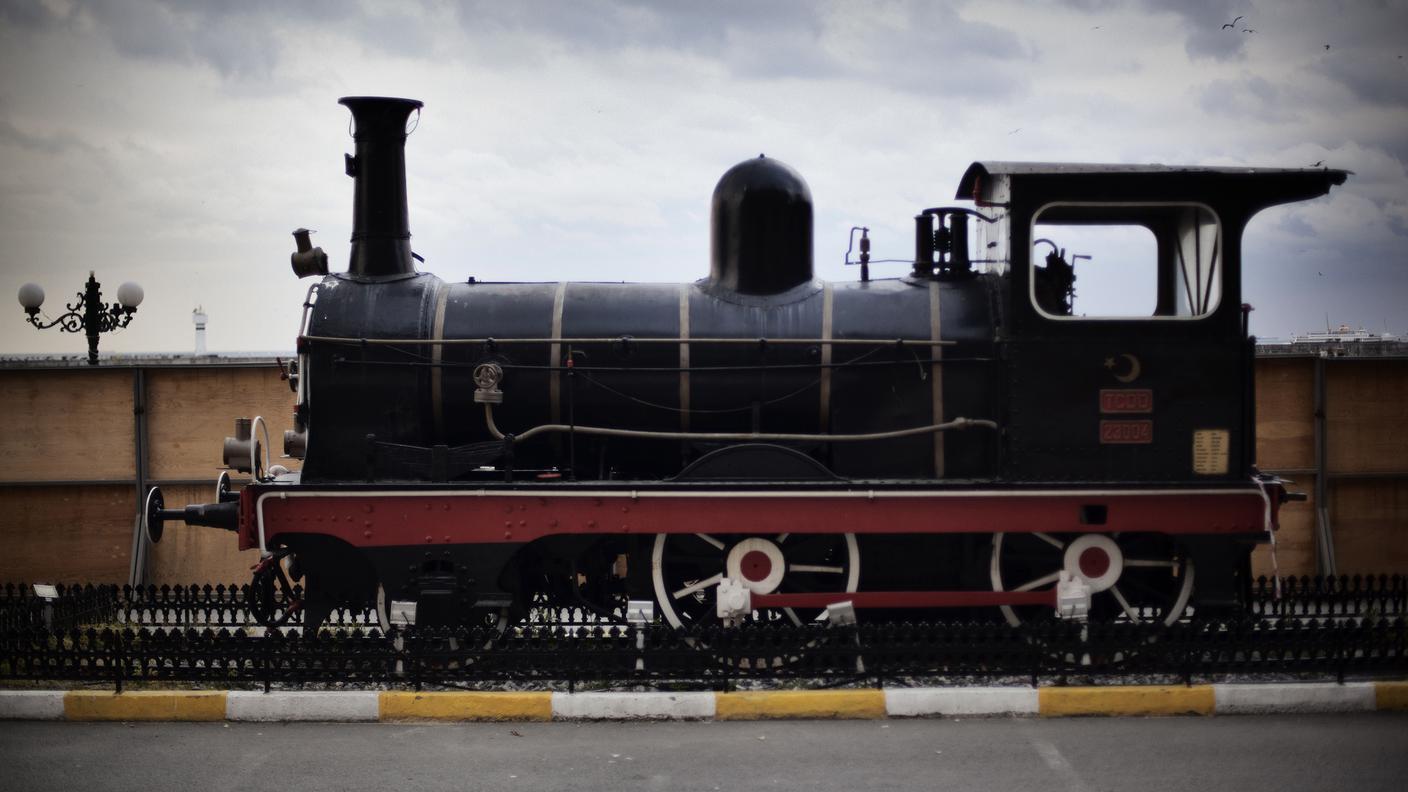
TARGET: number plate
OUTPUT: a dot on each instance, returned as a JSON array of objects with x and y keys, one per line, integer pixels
[
  {"x": 1126, "y": 400},
  {"x": 1126, "y": 432}
]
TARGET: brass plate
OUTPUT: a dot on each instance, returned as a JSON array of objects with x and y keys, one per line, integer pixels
[{"x": 1210, "y": 448}]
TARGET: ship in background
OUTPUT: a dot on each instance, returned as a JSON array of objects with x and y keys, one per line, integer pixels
[
  {"x": 1345, "y": 334},
  {"x": 1343, "y": 341}
]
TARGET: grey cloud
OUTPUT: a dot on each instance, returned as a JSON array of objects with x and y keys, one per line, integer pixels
[
  {"x": 1251, "y": 97},
  {"x": 1295, "y": 283},
  {"x": 1092, "y": 5},
  {"x": 1203, "y": 21},
  {"x": 1398, "y": 226},
  {"x": 393, "y": 33},
  {"x": 234, "y": 45},
  {"x": 56, "y": 143},
  {"x": 237, "y": 39},
  {"x": 1372, "y": 75},
  {"x": 1295, "y": 225},
  {"x": 913, "y": 46},
  {"x": 603, "y": 24},
  {"x": 30, "y": 14}
]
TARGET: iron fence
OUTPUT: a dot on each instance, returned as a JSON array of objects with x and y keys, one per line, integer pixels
[{"x": 121, "y": 635}]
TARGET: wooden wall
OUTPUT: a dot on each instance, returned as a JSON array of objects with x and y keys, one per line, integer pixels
[
  {"x": 1366, "y": 434},
  {"x": 77, "y": 425},
  {"x": 1366, "y": 409},
  {"x": 1285, "y": 441},
  {"x": 58, "y": 534}
]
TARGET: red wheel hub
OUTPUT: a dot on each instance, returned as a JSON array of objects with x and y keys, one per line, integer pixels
[
  {"x": 756, "y": 565},
  {"x": 1094, "y": 562}
]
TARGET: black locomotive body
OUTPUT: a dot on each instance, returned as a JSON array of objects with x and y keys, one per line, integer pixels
[{"x": 762, "y": 444}]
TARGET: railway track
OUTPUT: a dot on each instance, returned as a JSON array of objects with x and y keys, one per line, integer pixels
[{"x": 119, "y": 635}]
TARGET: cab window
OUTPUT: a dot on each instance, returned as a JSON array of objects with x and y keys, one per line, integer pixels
[{"x": 1124, "y": 261}]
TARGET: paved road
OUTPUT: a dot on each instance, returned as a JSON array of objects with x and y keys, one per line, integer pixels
[{"x": 1246, "y": 754}]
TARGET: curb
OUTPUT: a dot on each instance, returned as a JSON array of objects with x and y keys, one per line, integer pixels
[
  {"x": 455, "y": 707},
  {"x": 800, "y": 704},
  {"x": 289, "y": 706},
  {"x": 145, "y": 705},
  {"x": 931, "y": 702},
  {"x": 465, "y": 706},
  {"x": 1130, "y": 700},
  {"x": 633, "y": 706}
]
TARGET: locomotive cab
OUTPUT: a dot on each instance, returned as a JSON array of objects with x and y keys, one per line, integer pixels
[
  {"x": 1127, "y": 351},
  {"x": 1127, "y": 357}
]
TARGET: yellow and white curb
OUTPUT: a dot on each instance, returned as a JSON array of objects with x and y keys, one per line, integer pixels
[{"x": 462, "y": 706}]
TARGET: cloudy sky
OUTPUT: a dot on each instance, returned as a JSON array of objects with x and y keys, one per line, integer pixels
[{"x": 178, "y": 143}]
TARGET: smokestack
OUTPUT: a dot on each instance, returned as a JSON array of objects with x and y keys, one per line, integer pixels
[
  {"x": 381, "y": 231},
  {"x": 198, "y": 316}
]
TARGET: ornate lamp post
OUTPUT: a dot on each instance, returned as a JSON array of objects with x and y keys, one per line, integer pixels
[{"x": 87, "y": 314}]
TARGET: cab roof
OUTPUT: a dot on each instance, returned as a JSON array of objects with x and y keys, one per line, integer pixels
[{"x": 1263, "y": 185}]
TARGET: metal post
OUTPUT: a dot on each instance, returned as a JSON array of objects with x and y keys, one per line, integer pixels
[
  {"x": 137, "y": 572},
  {"x": 1324, "y": 535},
  {"x": 92, "y": 316}
]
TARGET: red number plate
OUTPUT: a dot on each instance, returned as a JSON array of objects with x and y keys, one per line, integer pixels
[
  {"x": 1126, "y": 400},
  {"x": 1119, "y": 432}
]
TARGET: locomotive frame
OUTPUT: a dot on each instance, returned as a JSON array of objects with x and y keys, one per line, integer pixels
[{"x": 763, "y": 445}]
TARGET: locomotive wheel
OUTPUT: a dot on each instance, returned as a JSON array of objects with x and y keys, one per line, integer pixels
[
  {"x": 1140, "y": 578},
  {"x": 686, "y": 568},
  {"x": 272, "y": 601}
]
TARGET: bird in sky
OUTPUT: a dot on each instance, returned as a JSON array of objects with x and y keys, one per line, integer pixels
[
  {"x": 1317, "y": 164},
  {"x": 1232, "y": 24},
  {"x": 1248, "y": 30},
  {"x": 1327, "y": 46}
]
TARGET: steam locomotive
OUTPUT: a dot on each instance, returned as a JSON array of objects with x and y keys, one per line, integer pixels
[{"x": 980, "y": 434}]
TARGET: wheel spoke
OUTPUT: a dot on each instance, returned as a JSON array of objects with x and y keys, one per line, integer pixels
[
  {"x": 711, "y": 540},
  {"x": 698, "y": 585},
  {"x": 1041, "y": 581},
  {"x": 791, "y": 614},
  {"x": 1051, "y": 540},
  {"x": 830, "y": 570},
  {"x": 1124, "y": 603},
  {"x": 698, "y": 559},
  {"x": 1149, "y": 562},
  {"x": 782, "y": 538}
]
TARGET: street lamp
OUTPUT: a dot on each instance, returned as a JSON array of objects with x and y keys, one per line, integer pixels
[{"x": 87, "y": 314}]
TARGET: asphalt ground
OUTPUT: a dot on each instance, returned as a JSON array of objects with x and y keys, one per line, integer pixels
[{"x": 1362, "y": 752}]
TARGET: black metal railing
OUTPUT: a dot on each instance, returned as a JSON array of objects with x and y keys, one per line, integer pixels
[
  {"x": 714, "y": 656},
  {"x": 1330, "y": 595},
  {"x": 120, "y": 635}
]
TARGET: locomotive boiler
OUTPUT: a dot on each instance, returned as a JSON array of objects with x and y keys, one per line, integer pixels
[{"x": 760, "y": 444}]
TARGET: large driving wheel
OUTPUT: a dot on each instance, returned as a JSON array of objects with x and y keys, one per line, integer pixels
[
  {"x": 686, "y": 568},
  {"x": 1139, "y": 578}
]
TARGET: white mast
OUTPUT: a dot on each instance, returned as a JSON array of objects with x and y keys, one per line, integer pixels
[{"x": 199, "y": 317}]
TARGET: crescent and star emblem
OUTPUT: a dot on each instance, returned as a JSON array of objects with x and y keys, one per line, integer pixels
[{"x": 1114, "y": 363}]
